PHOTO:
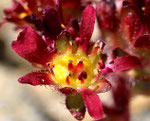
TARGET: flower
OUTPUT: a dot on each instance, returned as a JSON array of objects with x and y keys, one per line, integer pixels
[
  {"x": 24, "y": 12},
  {"x": 19, "y": 13},
  {"x": 73, "y": 63}
]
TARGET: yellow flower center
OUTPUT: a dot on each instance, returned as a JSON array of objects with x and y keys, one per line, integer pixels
[{"x": 73, "y": 70}]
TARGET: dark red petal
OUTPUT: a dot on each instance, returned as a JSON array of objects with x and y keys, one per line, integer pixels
[
  {"x": 147, "y": 9},
  {"x": 37, "y": 78},
  {"x": 67, "y": 90},
  {"x": 50, "y": 22},
  {"x": 131, "y": 27},
  {"x": 87, "y": 24},
  {"x": 76, "y": 106},
  {"x": 126, "y": 62},
  {"x": 59, "y": 11},
  {"x": 70, "y": 9},
  {"x": 143, "y": 42},
  {"x": 47, "y": 2},
  {"x": 133, "y": 22},
  {"x": 31, "y": 3},
  {"x": 30, "y": 46},
  {"x": 33, "y": 6},
  {"x": 92, "y": 103}
]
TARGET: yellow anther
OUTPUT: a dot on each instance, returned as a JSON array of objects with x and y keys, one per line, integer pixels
[
  {"x": 23, "y": 15},
  {"x": 63, "y": 26},
  {"x": 143, "y": 8}
]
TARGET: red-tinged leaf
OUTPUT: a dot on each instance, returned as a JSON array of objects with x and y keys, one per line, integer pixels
[
  {"x": 37, "y": 78},
  {"x": 87, "y": 24},
  {"x": 100, "y": 86},
  {"x": 128, "y": 7},
  {"x": 143, "y": 42},
  {"x": 92, "y": 103},
  {"x": 30, "y": 46},
  {"x": 131, "y": 26},
  {"x": 126, "y": 62},
  {"x": 106, "y": 15},
  {"x": 76, "y": 106},
  {"x": 67, "y": 90}
]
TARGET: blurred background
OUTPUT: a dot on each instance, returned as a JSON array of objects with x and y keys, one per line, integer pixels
[{"x": 41, "y": 103}]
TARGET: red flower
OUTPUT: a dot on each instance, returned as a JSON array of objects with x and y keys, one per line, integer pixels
[
  {"x": 75, "y": 66},
  {"x": 21, "y": 13}
]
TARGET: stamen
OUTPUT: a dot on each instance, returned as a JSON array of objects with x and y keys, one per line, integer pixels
[
  {"x": 67, "y": 80},
  {"x": 52, "y": 72},
  {"x": 102, "y": 45},
  {"x": 50, "y": 65},
  {"x": 79, "y": 66},
  {"x": 82, "y": 81},
  {"x": 71, "y": 30},
  {"x": 143, "y": 8},
  {"x": 82, "y": 75},
  {"x": 98, "y": 70},
  {"x": 70, "y": 46},
  {"x": 69, "y": 74},
  {"x": 63, "y": 26},
  {"x": 101, "y": 64},
  {"x": 71, "y": 43},
  {"x": 78, "y": 40},
  {"x": 70, "y": 66},
  {"x": 23, "y": 15}
]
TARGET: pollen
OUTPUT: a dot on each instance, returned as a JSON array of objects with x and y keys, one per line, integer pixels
[
  {"x": 23, "y": 15},
  {"x": 73, "y": 70},
  {"x": 143, "y": 8},
  {"x": 63, "y": 26}
]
